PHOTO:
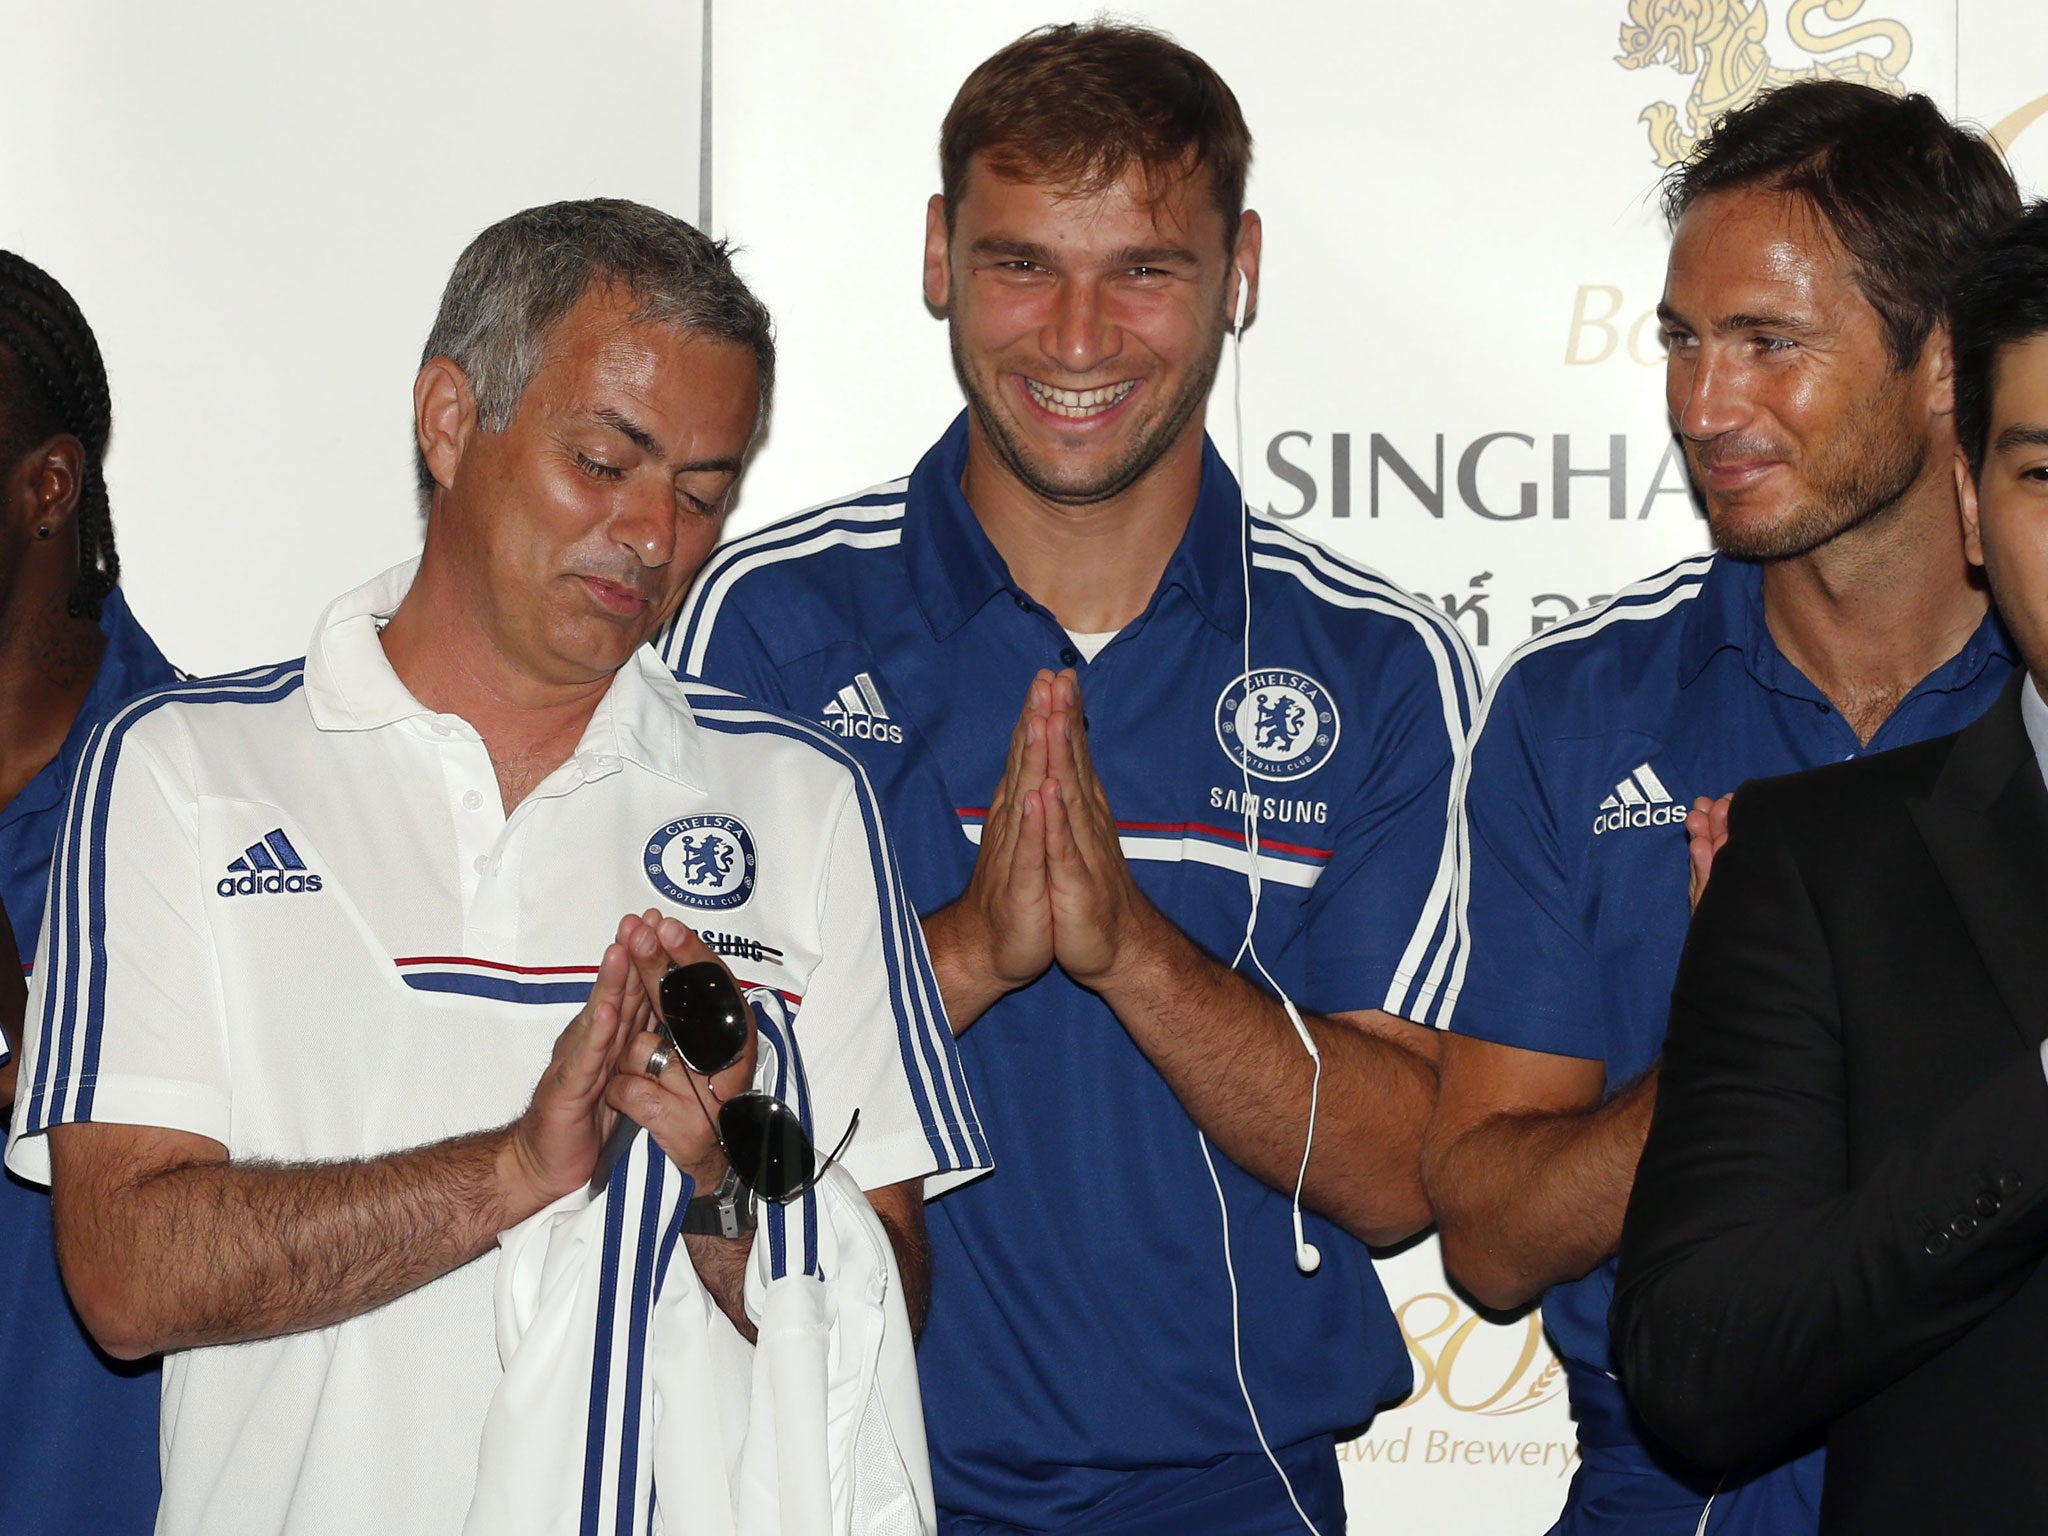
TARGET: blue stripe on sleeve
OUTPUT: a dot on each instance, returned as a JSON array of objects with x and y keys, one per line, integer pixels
[
  {"x": 1435, "y": 947},
  {"x": 83, "y": 921},
  {"x": 763, "y": 547},
  {"x": 1649, "y": 598},
  {"x": 923, "y": 1038}
]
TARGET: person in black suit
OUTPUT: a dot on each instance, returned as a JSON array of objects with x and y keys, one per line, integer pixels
[{"x": 1841, "y": 1213}]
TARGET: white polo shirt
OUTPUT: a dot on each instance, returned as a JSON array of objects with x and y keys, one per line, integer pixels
[{"x": 289, "y": 913}]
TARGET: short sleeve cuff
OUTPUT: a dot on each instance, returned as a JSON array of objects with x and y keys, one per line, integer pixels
[
  {"x": 1357, "y": 989},
  {"x": 1525, "y": 1025},
  {"x": 171, "y": 1106},
  {"x": 900, "y": 1158}
]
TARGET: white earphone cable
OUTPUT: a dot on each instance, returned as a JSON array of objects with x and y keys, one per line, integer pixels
[
  {"x": 1305, "y": 1255},
  {"x": 1237, "y": 1344}
]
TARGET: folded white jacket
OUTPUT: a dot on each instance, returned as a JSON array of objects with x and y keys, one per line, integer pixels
[{"x": 630, "y": 1406}]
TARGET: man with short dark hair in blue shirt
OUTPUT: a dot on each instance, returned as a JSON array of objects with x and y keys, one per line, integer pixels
[
  {"x": 1075, "y": 538},
  {"x": 1810, "y": 378},
  {"x": 80, "y": 1452}
]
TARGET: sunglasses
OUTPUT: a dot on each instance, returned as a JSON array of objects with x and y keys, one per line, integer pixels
[{"x": 704, "y": 1019}]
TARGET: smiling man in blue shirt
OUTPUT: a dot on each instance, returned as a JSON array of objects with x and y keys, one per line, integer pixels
[
  {"x": 1074, "y": 538},
  {"x": 1810, "y": 378}
]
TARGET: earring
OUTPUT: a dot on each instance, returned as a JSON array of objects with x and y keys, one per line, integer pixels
[{"x": 43, "y": 530}]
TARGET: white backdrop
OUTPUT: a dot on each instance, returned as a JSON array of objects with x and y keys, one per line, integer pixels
[{"x": 257, "y": 204}]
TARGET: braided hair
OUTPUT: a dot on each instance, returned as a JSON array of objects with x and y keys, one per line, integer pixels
[{"x": 52, "y": 380}]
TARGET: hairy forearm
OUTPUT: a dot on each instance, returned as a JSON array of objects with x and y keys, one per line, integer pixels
[
  {"x": 1233, "y": 1059},
  {"x": 216, "y": 1252},
  {"x": 913, "y": 1249},
  {"x": 721, "y": 1264},
  {"x": 968, "y": 985},
  {"x": 1526, "y": 1199}
]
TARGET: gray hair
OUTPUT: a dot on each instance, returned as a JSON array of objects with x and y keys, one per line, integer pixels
[{"x": 524, "y": 273}]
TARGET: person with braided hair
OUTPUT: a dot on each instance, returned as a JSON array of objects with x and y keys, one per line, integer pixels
[{"x": 85, "y": 1457}]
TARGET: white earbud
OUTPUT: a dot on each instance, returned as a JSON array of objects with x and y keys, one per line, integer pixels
[
  {"x": 1307, "y": 1257},
  {"x": 1244, "y": 294}
]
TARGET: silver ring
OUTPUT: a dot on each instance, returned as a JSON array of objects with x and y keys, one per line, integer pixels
[{"x": 659, "y": 1058}]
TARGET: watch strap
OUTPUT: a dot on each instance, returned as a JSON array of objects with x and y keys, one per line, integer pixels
[{"x": 727, "y": 1211}]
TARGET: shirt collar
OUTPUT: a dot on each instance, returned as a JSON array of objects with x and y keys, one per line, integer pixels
[
  {"x": 643, "y": 717},
  {"x": 954, "y": 569},
  {"x": 350, "y": 685},
  {"x": 2034, "y": 716},
  {"x": 130, "y": 664},
  {"x": 1728, "y": 615}
]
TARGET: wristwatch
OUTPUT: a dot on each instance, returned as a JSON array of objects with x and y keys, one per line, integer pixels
[{"x": 726, "y": 1212}]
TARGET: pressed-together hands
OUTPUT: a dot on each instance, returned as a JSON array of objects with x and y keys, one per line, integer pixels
[
  {"x": 1051, "y": 884},
  {"x": 599, "y": 1071}
]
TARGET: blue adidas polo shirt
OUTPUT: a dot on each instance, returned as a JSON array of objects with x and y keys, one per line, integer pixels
[
  {"x": 1077, "y": 1365},
  {"x": 85, "y": 1457},
  {"x": 1595, "y": 739}
]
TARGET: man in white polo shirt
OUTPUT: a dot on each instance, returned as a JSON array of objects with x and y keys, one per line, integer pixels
[{"x": 316, "y": 928}]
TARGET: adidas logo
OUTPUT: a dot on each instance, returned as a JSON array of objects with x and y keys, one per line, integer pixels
[
  {"x": 856, "y": 711},
  {"x": 267, "y": 868},
  {"x": 1640, "y": 800}
]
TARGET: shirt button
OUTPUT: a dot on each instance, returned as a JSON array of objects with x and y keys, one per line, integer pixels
[
  {"x": 481, "y": 863},
  {"x": 1023, "y": 602},
  {"x": 1987, "y": 1204},
  {"x": 1937, "y": 1244},
  {"x": 440, "y": 729},
  {"x": 1070, "y": 656},
  {"x": 472, "y": 800},
  {"x": 1963, "y": 1225},
  {"x": 2010, "y": 1184}
]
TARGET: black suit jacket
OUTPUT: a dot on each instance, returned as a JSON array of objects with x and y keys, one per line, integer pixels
[{"x": 1842, "y": 1209}]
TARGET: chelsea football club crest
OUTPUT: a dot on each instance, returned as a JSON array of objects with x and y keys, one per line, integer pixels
[
  {"x": 1277, "y": 724},
  {"x": 702, "y": 861}
]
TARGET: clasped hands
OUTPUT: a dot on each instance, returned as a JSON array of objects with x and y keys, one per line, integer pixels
[
  {"x": 1051, "y": 884},
  {"x": 599, "y": 1072}
]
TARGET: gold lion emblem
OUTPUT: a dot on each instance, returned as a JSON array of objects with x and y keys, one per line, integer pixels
[{"x": 1721, "y": 44}]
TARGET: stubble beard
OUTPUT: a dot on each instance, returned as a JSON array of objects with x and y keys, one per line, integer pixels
[
  {"x": 1861, "y": 477},
  {"x": 1146, "y": 446}
]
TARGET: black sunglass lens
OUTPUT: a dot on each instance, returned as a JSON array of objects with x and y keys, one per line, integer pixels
[
  {"x": 766, "y": 1143},
  {"x": 705, "y": 1014}
]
